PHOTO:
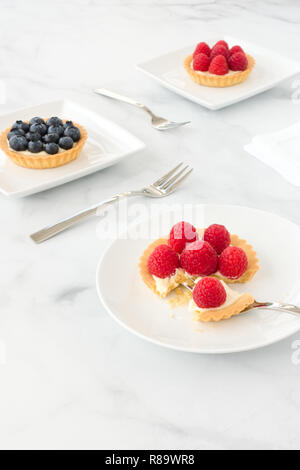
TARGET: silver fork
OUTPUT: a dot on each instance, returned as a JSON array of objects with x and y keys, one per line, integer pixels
[
  {"x": 278, "y": 306},
  {"x": 287, "y": 308},
  {"x": 158, "y": 123},
  {"x": 160, "y": 188}
]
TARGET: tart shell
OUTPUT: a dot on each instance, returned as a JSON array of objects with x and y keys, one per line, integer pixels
[
  {"x": 35, "y": 161},
  {"x": 236, "y": 308},
  {"x": 218, "y": 81}
]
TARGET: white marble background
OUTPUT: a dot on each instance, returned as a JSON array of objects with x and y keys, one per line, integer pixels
[{"x": 73, "y": 377}]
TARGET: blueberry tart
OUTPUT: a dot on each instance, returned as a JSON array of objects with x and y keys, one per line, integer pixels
[{"x": 43, "y": 143}]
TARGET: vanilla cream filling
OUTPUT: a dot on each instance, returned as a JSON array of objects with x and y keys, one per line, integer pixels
[
  {"x": 231, "y": 297},
  {"x": 166, "y": 284}
]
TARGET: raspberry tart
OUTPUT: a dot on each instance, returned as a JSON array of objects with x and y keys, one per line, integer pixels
[
  {"x": 208, "y": 259},
  {"x": 43, "y": 143},
  {"x": 219, "y": 66}
]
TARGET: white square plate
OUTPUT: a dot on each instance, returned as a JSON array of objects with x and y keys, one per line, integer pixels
[
  {"x": 270, "y": 69},
  {"x": 106, "y": 145}
]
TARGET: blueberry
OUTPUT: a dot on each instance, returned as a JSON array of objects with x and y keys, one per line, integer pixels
[
  {"x": 36, "y": 120},
  {"x": 68, "y": 124},
  {"x": 33, "y": 136},
  {"x": 18, "y": 142},
  {"x": 54, "y": 121},
  {"x": 73, "y": 132},
  {"x": 21, "y": 125},
  {"x": 51, "y": 138},
  {"x": 40, "y": 128},
  {"x": 56, "y": 130},
  {"x": 35, "y": 147},
  {"x": 13, "y": 132},
  {"x": 65, "y": 143},
  {"x": 51, "y": 148}
]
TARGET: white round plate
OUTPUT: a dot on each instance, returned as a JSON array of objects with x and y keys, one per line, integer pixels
[{"x": 134, "y": 306}]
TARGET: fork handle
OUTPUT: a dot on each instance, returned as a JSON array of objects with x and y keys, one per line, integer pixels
[
  {"x": 52, "y": 230},
  {"x": 125, "y": 99},
  {"x": 288, "y": 308},
  {"x": 116, "y": 96}
]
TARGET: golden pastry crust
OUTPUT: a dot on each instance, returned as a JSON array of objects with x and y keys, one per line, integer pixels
[
  {"x": 253, "y": 265},
  {"x": 147, "y": 277},
  {"x": 218, "y": 81},
  {"x": 211, "y": 315},
  {"x": 35, "y": 161}
]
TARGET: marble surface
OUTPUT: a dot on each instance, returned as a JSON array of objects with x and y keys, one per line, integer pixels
[{"x": 72, "y": 377}]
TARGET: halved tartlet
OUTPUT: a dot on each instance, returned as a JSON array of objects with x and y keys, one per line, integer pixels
[
  {"x": 181, "y": 276},
  {"x": 167, "y": 263},
  {"x": 234, "y": 306}
]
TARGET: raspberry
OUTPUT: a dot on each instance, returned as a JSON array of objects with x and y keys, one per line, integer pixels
[
  {"x": 201, "y": 62},
  {"x": 181, "y": 234},
  {"x": 218, "y": 237},
  {"x": 209, "y": 293},
  {"x": 203, "y": 48},
  {"x": 234, "y": 50},
  {"x": 199, "y": 259},
  {"x": 222, "y": 43},
  {"x": 218, "y": 50},
  {"x": 238, "y": 61},
  {"x": 218, "y": 65},
  {"x": 233, "y": 262},
  {"x": 163, "y": 261}
]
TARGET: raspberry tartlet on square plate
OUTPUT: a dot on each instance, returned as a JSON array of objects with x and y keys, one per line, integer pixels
[
  {"x": 43, "y": 143},
  {"x": 207, "y": 259},
  {"x": 219, "y": 66}
]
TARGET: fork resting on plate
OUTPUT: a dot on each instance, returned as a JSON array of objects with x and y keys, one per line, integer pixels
[{"x": 278, "y": 306}]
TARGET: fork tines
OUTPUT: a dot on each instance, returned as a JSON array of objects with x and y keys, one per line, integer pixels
[{"x": 173, "y": 178}]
